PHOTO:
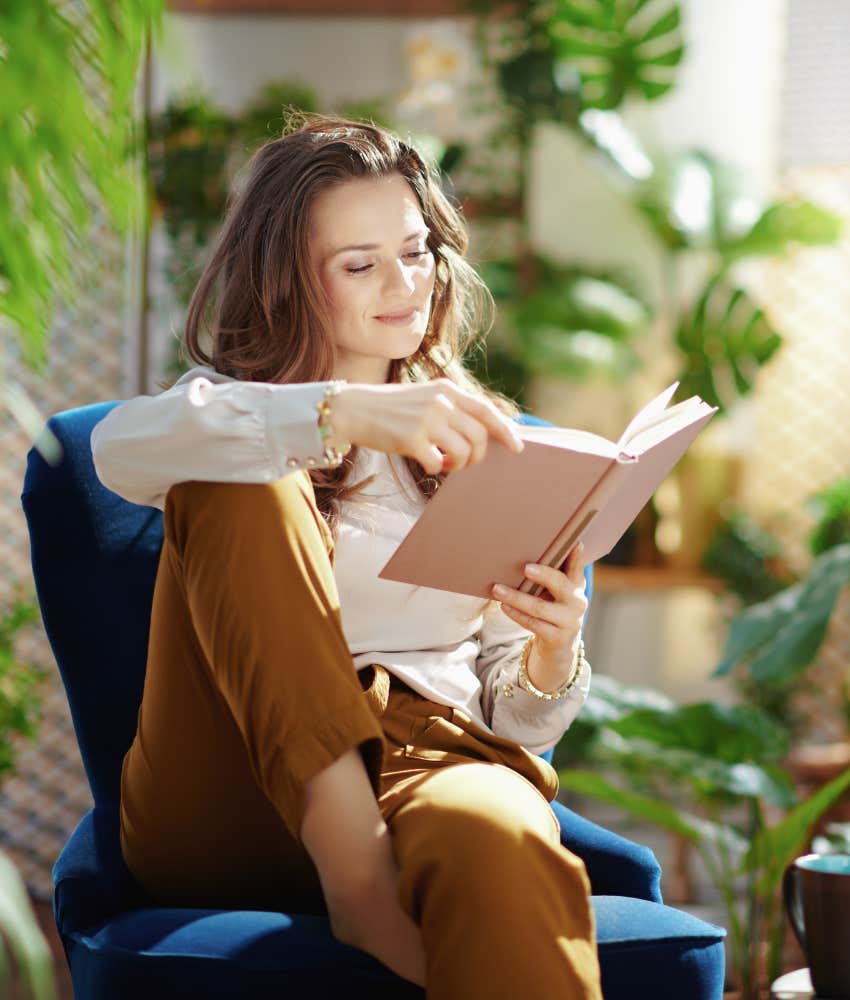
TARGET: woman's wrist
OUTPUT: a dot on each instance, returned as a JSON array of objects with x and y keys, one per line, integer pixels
[
  {"x": 550, "y": 676},
  {"x": 333, "y": 421}
]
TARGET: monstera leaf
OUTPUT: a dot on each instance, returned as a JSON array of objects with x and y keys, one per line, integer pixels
[
  {"x": 724, "y": 340},
  {"x": 617, "y": 46},
  {"x": 578, "y": 326},
  {"x": 692, "y": 200},
  {"x": 779, "y": 637},
  {"x": 784, "y": 223},
  {"x": 574, "y": 323}
]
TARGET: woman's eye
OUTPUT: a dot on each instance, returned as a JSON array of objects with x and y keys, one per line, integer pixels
[{"x": 365, "y": 267}]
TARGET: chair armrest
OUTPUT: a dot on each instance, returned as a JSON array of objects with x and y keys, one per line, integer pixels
[
  {"x": 616, "y": 866},
  {"x": 91, "y": 881}
]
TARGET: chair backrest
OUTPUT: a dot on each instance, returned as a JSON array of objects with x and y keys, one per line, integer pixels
[{"x": 94, "y": 559}]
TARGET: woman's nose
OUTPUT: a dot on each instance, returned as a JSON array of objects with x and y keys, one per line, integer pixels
[{"x": 399, "y": 274}]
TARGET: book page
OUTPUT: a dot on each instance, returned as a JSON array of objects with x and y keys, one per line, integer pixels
[
  {"x": 668, "y": 423},
  {"x": 567, "y": 437},
  {"x": 648, "y": 415}
]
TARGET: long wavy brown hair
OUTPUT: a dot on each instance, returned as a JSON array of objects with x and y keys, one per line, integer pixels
[{"x": 263, "y": 312}]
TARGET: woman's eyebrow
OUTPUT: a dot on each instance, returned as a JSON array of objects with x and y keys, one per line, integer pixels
[{"x": 374, "y": 246}]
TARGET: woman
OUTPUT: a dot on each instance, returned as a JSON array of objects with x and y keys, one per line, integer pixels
[{"x": 311, "y": 736}]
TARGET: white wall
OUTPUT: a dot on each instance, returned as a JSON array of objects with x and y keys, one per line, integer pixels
[{"x": 344, "y": 58}]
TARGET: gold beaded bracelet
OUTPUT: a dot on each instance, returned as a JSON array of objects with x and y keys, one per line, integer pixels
[
  {"x": 333, "y": 455},
  {"x": 524, "y": 682}
]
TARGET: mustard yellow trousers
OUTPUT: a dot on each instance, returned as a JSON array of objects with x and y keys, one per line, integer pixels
[{"x": 250, "y": 690}]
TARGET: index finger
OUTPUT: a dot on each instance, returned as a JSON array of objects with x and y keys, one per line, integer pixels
[
  {"x": 575, "y": 564},
  {"x": 497, "y": 423}
]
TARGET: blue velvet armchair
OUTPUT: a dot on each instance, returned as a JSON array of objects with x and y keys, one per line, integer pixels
[{"x": 95, "y": 558}]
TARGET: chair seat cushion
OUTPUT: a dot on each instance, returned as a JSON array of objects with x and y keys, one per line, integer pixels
[{"x": 170, "y": 953}]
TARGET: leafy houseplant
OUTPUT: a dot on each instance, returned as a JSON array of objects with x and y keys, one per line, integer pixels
[
  {"x": 734, "y": 768},
  {"x": 712, "y": 775},
  {"x": 67, "y": 86},
  {"x": 20, "y": 707},
  {"x": 771, "y": 644},
  {"x": 831, "y": 510},
  {"x": 572, "y": 323},
  {"x": 68, "y": 136}
]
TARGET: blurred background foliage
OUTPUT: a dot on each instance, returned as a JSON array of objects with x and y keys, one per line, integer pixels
[
  {"x": 70, "y": 141},
  {"x": 68, "y": 77}
]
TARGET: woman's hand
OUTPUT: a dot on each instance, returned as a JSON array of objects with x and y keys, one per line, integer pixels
[
  {"x": 555, "y": 621},
  {"x": 438, "y": 423}
]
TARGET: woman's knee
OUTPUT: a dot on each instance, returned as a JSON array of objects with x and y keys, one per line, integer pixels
[
  {"x": 470, "y": 815},
  {"x": 218, "y": 509},
  {"x": 481, "y": 834}
]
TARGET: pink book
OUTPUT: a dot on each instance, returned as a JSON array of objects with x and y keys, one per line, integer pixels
[{"x": 487, "y": 521}]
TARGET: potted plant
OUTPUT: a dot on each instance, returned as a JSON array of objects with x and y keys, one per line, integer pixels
[
  {"x": 771, "y": 644},
  {"x": 711, "y": 775}
]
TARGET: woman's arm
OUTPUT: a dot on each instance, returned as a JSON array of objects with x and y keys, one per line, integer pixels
[
  {"x": 209, "y": 427},
  {"x": 508, "y": 709}
]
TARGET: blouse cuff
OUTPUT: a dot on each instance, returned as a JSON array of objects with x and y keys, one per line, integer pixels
[{"x": 293, "y": 440}]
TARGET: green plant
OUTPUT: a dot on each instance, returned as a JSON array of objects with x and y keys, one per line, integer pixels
[
  {"x": 770, "y": 646},
  {"x": 712, "y": 775},
  {"x": 831, "y": 510},
  {"x": 747, "y": 558},
  {"x": 715, "y": 775},
  {"x": 574, "y": 322},
  {"x": 20, "y": 708},
  {"x": 21, "y": 938},
  {"x": 750, "y": 561},
  {"x": 779, "y": 637},
  {"x": 573, "y": 65},
  {"x": 552, "y": 62},
  {"x": 67, "y": 82},
  {"x": 20, "y": 700}
]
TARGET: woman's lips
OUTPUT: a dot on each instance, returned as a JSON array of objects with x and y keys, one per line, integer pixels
[{"x": 398, "y": 319}]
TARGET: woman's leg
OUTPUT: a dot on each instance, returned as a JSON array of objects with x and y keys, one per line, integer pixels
[
  {"x": 503, "y": 908},
  {"x": 250, "y": 692}
]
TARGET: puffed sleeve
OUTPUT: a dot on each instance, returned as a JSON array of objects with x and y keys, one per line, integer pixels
[
  {"x": 209, "y": 427},
  {"x": 508, "y": 709}
]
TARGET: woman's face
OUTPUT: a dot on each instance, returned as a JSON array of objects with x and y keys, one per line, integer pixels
[{"x": 367, "y": 244}]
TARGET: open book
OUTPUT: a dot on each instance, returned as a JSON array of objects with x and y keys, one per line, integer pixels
[{"x": 488, "y": 520}]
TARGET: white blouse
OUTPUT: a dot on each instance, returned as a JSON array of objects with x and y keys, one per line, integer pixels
[{"x": 211, "y": 427}]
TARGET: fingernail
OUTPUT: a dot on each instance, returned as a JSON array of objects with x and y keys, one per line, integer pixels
[
  {"x": 531, "y": 570},
  {"x": 499, "y": 589}
]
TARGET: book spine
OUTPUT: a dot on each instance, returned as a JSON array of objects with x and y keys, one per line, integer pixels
[{"x": 557, "y": 551}]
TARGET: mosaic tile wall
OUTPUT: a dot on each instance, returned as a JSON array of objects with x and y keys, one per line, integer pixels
[{"x": 801, "y": 416}]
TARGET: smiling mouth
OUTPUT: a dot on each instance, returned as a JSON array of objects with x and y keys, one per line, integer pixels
[{"x": 406, "y": 314}]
